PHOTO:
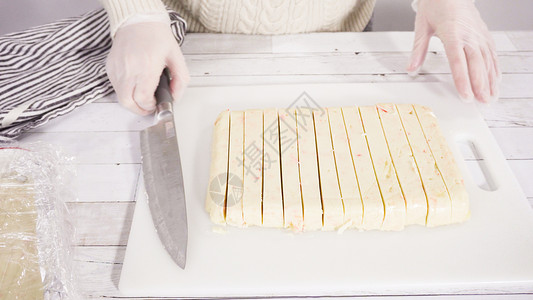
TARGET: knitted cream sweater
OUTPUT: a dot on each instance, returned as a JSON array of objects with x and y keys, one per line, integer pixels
[{"x": 252, "y": 16}]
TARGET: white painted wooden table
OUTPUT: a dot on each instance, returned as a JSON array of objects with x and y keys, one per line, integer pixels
[{"x": 104, "y": 137}]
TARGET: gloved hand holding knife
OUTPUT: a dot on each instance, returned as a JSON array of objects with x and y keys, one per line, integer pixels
[{"x": 139, "y": 54}]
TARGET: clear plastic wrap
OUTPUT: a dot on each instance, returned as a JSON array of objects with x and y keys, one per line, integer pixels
[{"x": 36, "y": 260}]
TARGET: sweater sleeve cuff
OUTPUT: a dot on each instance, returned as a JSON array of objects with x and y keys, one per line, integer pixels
[{"x": 120, "y": 10}]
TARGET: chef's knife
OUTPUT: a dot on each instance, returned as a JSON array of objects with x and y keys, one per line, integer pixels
[{"x": 163, "y": 179}]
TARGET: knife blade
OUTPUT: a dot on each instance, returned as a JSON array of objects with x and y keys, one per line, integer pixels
[{"x": 163, "y": 178}]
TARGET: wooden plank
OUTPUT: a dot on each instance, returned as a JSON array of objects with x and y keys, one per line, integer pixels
[
  {"x": 97, "y": 117},
  {"x": 523, "y": 171},
  {"x": 522, "y": 40},
  {"x": 513, "y": 85},
  {"x": 336, "y": 63},
  {"x": 98, "y": 269},
  {"x": 516, "y": 143},
  {"x": 203, "y": 43},
  {"x": 508, "y": 112},
  {"x": 200, "y": 81},
  {"x": 516, "y": 86},
  {"x": 93, "y": 147},
  {"x": 102, "y": 223},
  {"x": 513, "y": 112},
  {"x": 363, "y": 42},
  {"x": 100, "y": 254},
  {"x": 98, "y": 280},
  {"x": 108, "y": 182}
]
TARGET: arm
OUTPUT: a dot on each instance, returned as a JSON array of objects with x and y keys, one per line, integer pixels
[
  {"x": 143, "y": 46},
  {"x": 467, "y": 42}
]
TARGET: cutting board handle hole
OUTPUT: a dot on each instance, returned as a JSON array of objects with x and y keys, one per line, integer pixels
[{"x": 477, "y": 165}]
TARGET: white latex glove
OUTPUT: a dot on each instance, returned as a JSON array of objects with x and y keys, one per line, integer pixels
[
  {"x": 467, "y": 42},
  {"x": 138, "y": 56}
]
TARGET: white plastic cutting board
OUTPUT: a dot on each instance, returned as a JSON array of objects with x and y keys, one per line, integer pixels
[{"x": 492, "y": 252}]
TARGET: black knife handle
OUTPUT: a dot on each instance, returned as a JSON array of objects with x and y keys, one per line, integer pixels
[{"x": 163, "y": 96}]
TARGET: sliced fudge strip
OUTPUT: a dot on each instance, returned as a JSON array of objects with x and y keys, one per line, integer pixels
[
  {"x": 236, "y": 170},
  {"x": 329, "y": 183},
  {"x": 446, "y": 164},
  {"x": 439, "y": 206},
  {"x": 393, "y": 201},
  {"x": 218, "y": 174},
  {"x": 310, "y": 186},
  {"x": 253, "y": 167},
  {"x": 373, "y": 210},
  {"x": 404, "y": 163},
  {"x": 290, "y": 176},
  {"x": 353, "y": 207},
  {"x": 272, "y": 196}
]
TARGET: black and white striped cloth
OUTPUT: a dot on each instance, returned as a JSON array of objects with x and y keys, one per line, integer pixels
[{"x": 48, "y": 71}]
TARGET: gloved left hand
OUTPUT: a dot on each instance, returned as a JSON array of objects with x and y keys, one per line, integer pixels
[{"x": 468, "y": 44}]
